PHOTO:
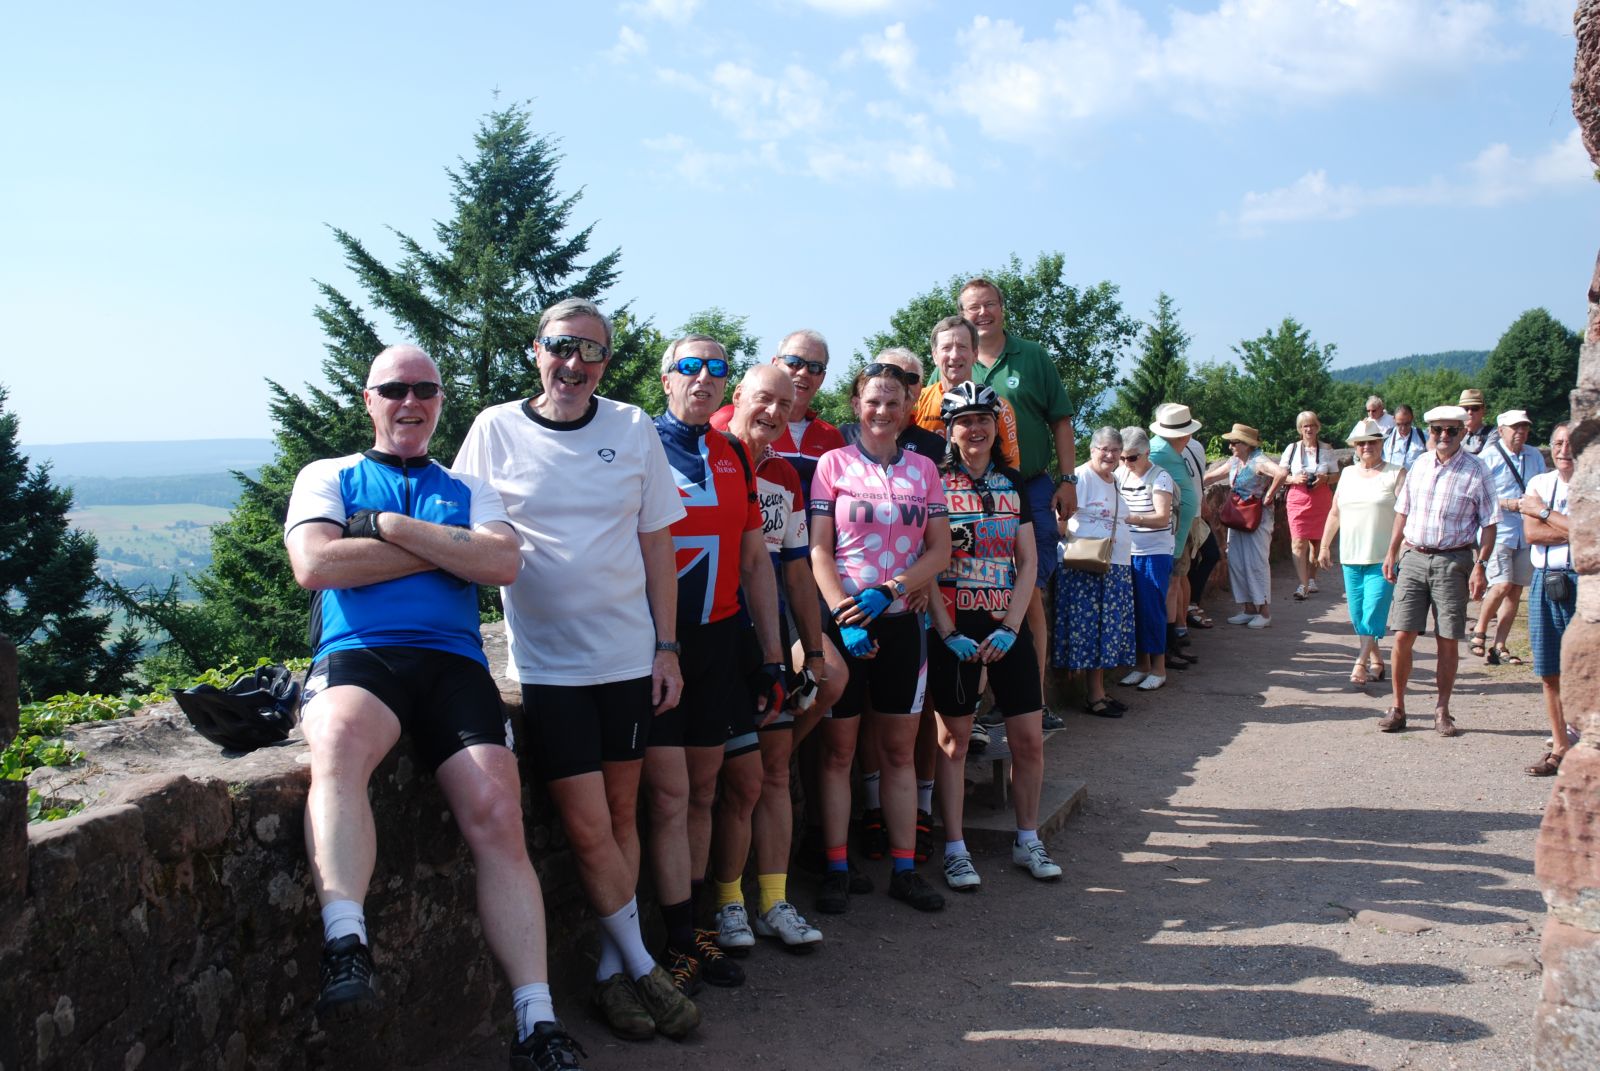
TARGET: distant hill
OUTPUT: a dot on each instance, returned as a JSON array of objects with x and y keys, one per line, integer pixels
[
  {"x": 218, "y": 489},
  {"x": 1468, "y": 362},
  {"x": 175, "y": 458}
]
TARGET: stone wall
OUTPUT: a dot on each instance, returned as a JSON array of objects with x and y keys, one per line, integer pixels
[
  {"x": 172, "y": 924},
  {"x": 1567, "y": 860}
]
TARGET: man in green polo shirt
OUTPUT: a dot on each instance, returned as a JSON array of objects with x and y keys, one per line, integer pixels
[{"x": 1023, "y": 374}]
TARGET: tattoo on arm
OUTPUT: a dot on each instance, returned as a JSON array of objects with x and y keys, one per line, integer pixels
[{"x": 461, "y": 535}]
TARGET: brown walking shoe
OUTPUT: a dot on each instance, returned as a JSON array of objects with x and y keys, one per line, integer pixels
[{"x": 1392, "y": 722}]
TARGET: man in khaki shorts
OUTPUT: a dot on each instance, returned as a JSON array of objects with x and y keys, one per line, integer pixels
[{"x": 1444, "y": 523}]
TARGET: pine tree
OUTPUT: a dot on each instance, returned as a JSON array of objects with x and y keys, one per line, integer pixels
[
  {"x": 1534, "y": 366},
  {"x": 472, "y": 302},
  {"x": 47, "y": 583},
  {"x": 1162, "y": 370},
  {"x": 1286, "y": 373}
]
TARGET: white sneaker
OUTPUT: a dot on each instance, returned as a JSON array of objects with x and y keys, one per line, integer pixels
[
  {"x": 733, "y": 927},
  {"x": 1311, "y": 586},
  {"x": 959, "y": 873},
  {"x": 1300, "y": 592},
  {"x": 1133, "y": 678},
  {"x": 1151, "y": 683},
  {"x": 1240, "y": 619},
  {"x": 1033, "y": 856},
  {"x": 787, "y": 925},
  {"x": 1258, "y": 622}
]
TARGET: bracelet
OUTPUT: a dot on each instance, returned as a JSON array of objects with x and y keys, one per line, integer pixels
[
  {"x": 816, "y": 654},
  {"x": 669, "y": 646}
]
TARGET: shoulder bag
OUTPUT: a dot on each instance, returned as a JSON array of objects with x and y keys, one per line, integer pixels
[
  {"x": 1241, "y": 512},
  {"x": 1092, "y": 554}
]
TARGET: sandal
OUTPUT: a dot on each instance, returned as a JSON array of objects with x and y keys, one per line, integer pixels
[
  {"x": 1444, "y": 724},
  {"x": 1547, "y": 766},
  {"x": 1358, "y": 675},
  {"x": 1101, "y": 709},
  {"x": 1197, "y": 618},
  {"x": 1479, "y": 641},
  {"x": 1502, "y": 655},
  {"x": 1375, "y": 672},
  {"x": 1392, "y": 722}
]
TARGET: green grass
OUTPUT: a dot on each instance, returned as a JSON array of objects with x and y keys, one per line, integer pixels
[{"x": 144, "y": 543}]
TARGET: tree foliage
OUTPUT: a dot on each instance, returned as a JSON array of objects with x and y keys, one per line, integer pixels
[
  {"x": 471, "y": 299},
  {"x": 1285, "y": 373},
  {"x": 1534, "y": 366},
  {"x": 1161, "y": 373},
  {"x": 1085, "y": 330},
  {"x": 47, "y": 585}
]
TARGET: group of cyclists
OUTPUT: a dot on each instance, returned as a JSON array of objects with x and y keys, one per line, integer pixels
[{"x": 687, "y": 598}]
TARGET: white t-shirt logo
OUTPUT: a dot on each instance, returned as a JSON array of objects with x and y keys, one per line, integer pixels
[
  {"x": 607, "y": 455},
  {"x": 1013, "y": 382}
]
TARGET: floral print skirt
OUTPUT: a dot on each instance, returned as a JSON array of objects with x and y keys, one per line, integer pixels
[{"x": 1094, "y": 623}]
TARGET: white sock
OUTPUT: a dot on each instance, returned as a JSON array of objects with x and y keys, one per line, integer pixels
[
  {"x": 343, "y": 918},
  {"x": 925, "y": 795},
  {"x": 1027, "y": 836},
  {"x": 610, "y": 958},
  {"x": 624, "y": 930},
  {"x": 954, "y": 847},
  {"x": 531, "y": 1003},
  {"x": 869, "y": 787}
]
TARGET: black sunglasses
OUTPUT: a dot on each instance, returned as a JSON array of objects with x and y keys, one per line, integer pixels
[
  {"x": 1445, "y": 432},
  {"x": 563, "y": 346},
  {"x": 816, "y": 368},
  {"x": 894, "y": 371},
  {"x": 395, "y": 390},
  {"x": 690, "y": 366}
]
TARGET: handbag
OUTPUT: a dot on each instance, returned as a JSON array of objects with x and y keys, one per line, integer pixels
[
  {"x": 1557, "y": 585},
  {"x": 1240, "y": 512},
  {"x": 1091, "y": 554}
]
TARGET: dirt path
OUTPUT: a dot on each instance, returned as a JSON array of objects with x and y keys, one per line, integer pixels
[{"x": 1237, "y": 823}]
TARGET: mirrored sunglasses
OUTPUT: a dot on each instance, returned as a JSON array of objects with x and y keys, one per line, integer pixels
[
  {"x": 563, "y": 346},
  {"x": 816, "y": 368},
  {"x": 690, "y": 366}
]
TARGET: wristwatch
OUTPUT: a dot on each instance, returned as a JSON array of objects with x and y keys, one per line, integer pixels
[
  {"x": 899, "y": 587},
  {"x": 669, "y": 645},
  {"x": 1544, "y": 514},
  {"x": 1067, "y": 477},
  {"x": 1482, "y": 562}
]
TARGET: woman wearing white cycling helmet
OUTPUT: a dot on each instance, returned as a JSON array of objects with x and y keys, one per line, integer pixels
[{"x": 978, "y": 624}]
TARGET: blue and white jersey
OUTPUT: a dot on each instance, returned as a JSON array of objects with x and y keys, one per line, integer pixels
[{"x": 431, "y": 609}]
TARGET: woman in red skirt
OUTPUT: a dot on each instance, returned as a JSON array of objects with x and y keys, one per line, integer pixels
[{"x": 1313, "y": 470}]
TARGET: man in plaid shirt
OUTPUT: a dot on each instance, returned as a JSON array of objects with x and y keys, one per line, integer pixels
[{"x": 1444, "y": 522}]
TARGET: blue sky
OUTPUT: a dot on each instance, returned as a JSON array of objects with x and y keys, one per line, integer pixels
[{"x": 1399, "y": 176}]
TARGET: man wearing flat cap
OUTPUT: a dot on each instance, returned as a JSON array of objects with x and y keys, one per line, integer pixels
[
  {"x": 1444, "y": 528},
  {"x": 1511, "y": 463}
]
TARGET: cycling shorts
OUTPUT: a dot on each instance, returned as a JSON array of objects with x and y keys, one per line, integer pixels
[{"x": 573, "y": 729}]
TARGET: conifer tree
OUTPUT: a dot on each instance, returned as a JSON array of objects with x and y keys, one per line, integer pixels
[
  {"x": 47, "y": 583},
  {"x": 1161, "y": 372},
  {"x": 1534, "y": 366},
  {"x": 1285, "y": 374}
]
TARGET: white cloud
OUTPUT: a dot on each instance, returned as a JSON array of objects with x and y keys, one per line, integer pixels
[
  {"x": 1553, "y": 15},
  {"x": 1494, "y": 177},
  {"x": 850, "y": 7},
  {"x": 630, "y": 43},
  {"x": 894, "y": 51},
  {"x": 1105, "y": 59},
  {"x": 678, "y": 11},
  {"x": 761, "y": 107}
]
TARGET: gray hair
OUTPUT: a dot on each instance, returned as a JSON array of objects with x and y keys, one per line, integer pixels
[
  {"x": 1106, "y": 436},
  {"x": 813, "y": 337},
  {"x": 1375, "y": 398},
  {"x": 1135, "y": 440},
  {"x": 669, "y": 356},
  {"x": 570, "y": 309}
]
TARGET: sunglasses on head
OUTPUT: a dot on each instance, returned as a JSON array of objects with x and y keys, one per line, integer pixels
[
  {"x": 396, "y": 390},
  {"x": 563, "y": 346},
  {"x": 1445, "y": 431},
  {"x": 690, "y": 366},
  {"x": 893, "y": 371},
  {"x": 816, "y": 368}
]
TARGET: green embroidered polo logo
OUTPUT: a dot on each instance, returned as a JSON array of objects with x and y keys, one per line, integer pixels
[{"x": 1013, "y": 382}]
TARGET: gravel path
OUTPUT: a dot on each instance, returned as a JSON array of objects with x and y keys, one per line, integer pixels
[{"x": 1259, "y": 881}]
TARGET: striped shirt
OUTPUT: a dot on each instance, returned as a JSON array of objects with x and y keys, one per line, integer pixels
[{"x": 1445, "y": 504}]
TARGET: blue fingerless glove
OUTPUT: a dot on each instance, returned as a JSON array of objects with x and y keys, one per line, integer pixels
[
  {"x": 1001, "y": 639},
  {"x": 856, "y": 640},
  {"x": 873, "y": 602},
  {"x": 963, "y": 647}
]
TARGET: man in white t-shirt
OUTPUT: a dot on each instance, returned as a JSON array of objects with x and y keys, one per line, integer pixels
[
  {"x": 591, "y": 620},
  {"x": 1376, "y": 412},
  {"x": 1546, "y": 517}
]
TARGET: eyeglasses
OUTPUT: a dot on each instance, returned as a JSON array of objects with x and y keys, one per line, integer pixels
[
  {"x": 894, "y": 371},
  {"x": 395, "y": 390},
  {"x": 1473, "y": 408},
  {"x": 690, "y": 366},
  {"x": 979, "y": 306},
  {"x": 816, "y": 368},
  {"x": 563, "y": 346},
  {"x": 1444, "y": 431}
]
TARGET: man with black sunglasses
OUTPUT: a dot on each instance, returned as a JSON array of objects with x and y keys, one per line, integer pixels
[
  {"x": 803, "y": 356},
  {"x": 1444, "y": 527},
  {"x": 393, "y": 546},
  {"x": 1476, "y": 434},
  {"x": 721, "y": 553}
]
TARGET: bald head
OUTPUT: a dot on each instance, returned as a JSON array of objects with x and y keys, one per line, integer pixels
[
  {"x": 762, "y": 403},
  {"x": 403, "y": 422},
  {"x": 402, "y": 361},
  {"x": 767, "y": 377}
]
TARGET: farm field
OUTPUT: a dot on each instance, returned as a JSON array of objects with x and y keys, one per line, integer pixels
[{"x": 150, "y": 544}]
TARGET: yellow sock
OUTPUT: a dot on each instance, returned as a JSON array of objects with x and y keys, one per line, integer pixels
[
  {"x": 729, "y": 892},
  {"x": 774, "y": 887}
]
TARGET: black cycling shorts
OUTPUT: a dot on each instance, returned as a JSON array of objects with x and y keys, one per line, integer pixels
[
  {"x": 716, "y": 706},
  {"x": 444, "y": 701},
  {"x": 1014, "y": 680},
  {"x": 896, "y": 678},
  {"x": 572, "y": 729}
]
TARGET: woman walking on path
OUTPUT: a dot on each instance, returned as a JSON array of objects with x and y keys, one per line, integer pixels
[
  {"x": 1256, "y": 477},
  {"x": 1553, "y": 598},
  {"x": 1149, "y": 493},
  {"x": 980, "y": 623},
  {"x": 1094, "y": 611},
  {"x": 1363, "y": 517},
  {"x": 1312, "y": 472}
]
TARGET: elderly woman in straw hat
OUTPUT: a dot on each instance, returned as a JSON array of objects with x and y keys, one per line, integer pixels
[
  {"x": 1362, "y": 516},
  {"x": 1255, "y": 477}
]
